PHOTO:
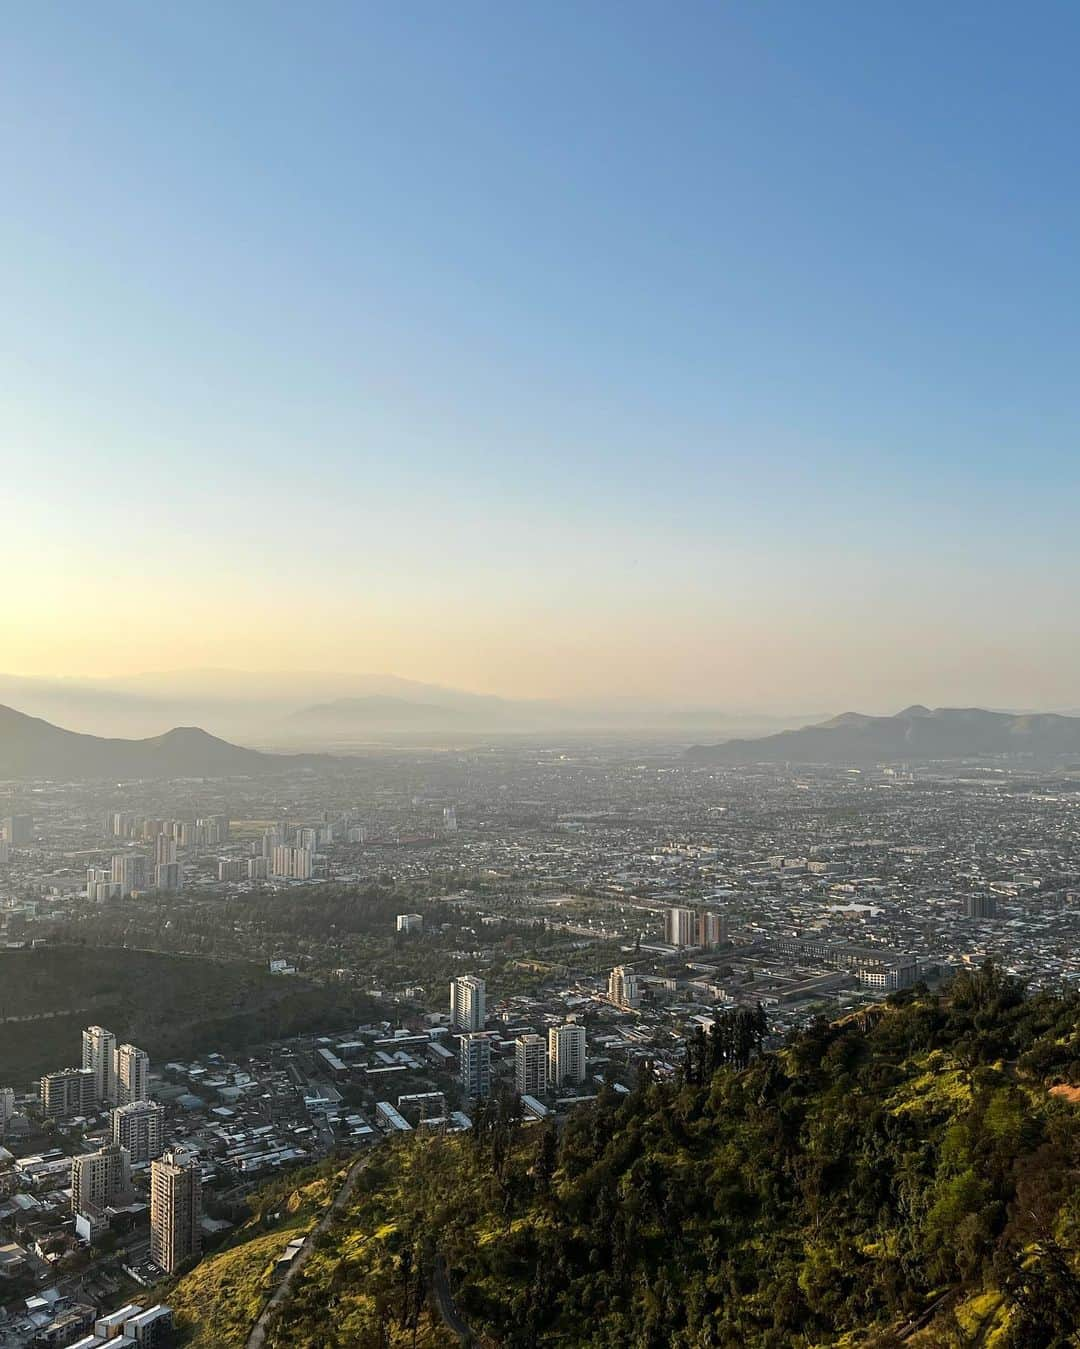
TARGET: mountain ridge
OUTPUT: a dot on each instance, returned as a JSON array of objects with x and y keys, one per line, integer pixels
[
  {"x": 31, "y": 747},
  {"x": 916, "y": 733}
]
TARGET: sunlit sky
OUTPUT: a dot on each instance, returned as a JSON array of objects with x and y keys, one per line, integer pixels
[{"x": 720, "y": 351}]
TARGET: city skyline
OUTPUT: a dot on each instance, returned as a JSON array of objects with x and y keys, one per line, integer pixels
[{"x": 548, "y": 354}]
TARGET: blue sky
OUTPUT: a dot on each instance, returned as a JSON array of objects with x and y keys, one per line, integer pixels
[{"x": 716, "y": 350}]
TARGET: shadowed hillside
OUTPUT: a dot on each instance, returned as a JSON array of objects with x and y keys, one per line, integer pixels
[
  {"x": 916, "y": 733},
  {"x": 169, "y": 1005},
  {"x": 32, "y": 748}
]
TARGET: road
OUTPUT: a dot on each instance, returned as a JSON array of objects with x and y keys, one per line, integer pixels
[
  {"x": 257, "y": 1338},
  {"x": 444, "y": 1300}
]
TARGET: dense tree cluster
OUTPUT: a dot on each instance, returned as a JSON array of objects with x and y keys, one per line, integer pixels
[{"x": 905, "y": 1175}]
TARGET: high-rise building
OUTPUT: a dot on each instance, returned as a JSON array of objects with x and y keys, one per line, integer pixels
[
  {"x": 566, "y": 1054},
  {"x": 230, "y": 869},
  {"x": 980, "y": 906},
  {"x": 140, "y": 1128},
  {"x": 175, "y": 1210},
  {"x": 99, "y": 1053},
  {"x": 467, "y": 1003},
  {"x": 271, "y": 839},
  {"x": 530, "y": 1065},
  {"x": 214, "y": 829},
  {"x": 190, "y": 835},
  {"x": 118, "y": 823},
  {"x": 168, "y": 876},
  {"x": 711, "y": 929},
  {"x": 100, "y": 886},
  {"x": 410, "y": 922},
  {"x": 623, "y": 987},
  {"x": 18, "y": 830},
  {"x": 69, "y": 1092},
  {"x": 475, "y": 1065},
  {"x": 97, "y": 1178},
  {"x": 292, "y": 864},
  {"x": 680, "y": 926},
  {"x": 7, "y": 1107},
  {"x": 129, "y": 872},
  {"x": 258, "y": 868},
  {"x": 132, "y": 1074},
  {"x": 164, "y": 850},
  {"x": 449, "y": 819}
]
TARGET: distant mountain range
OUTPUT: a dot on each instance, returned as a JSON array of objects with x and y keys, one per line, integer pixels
[
  {"x": 312, "y": 710},
  {"x": 917, "y": 733},
  {"x": 32, "y": 748}
]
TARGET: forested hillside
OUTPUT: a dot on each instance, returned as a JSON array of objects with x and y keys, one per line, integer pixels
[
  {"x": 909, "y": 1176},
  {"x": 170, "y": 1005}
]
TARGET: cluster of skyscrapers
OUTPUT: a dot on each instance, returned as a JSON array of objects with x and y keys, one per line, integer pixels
[
  {"x": 686, "y": 927},
  {"x": 539, "y": 1065},
  {"x": 205, "y": 832},
  {"x": 118, "y": 1076}
]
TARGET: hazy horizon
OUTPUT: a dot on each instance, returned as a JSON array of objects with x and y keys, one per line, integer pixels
[
  {"x": 203, "y": 685},
  {"x": 695, "y": 356}
]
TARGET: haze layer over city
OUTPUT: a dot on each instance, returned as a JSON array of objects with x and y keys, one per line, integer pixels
[{"x": 539, "y": 693}]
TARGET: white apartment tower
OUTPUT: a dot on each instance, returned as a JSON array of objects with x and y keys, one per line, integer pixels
[
  {"x": 623, "y": 987},
  {"x": 530, "y": 1065},
  {"x": 680, "y": 927},
  {"x": 99, "y": 1054},
  {"x": 140, "y": 1128},
  {"x": 71, "y": 1091},
  {"x": 712, "y": 929},
  {"x": 175, "y": 1210},
  {"x": 98, "y": 1177},
  {"x": 467, "y": 1003},
  {"x": 566, "y": 1054},
  {"x": 132, "y": 1074},
  {"x": 292, "y": 864},
  {"x": 475, "y": 1064}
]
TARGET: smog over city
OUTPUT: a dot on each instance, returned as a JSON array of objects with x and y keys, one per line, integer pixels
[{"x": 539, "y": 676}]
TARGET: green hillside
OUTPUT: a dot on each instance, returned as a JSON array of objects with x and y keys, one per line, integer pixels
[
  {"x": 169, "y": 1005},
  {"x": 904, "y": 1177},
  {"x": 217, "y": 1303}
]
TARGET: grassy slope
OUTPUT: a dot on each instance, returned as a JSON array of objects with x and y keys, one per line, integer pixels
[
  {"x": 827, "y": 1196},
  {"x": 167, "y": 1004},
  {"x": 217, "y": 1303}
]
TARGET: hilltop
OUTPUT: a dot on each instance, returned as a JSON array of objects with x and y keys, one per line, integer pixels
[
  {"x": 915, "y": 733},
  {"x": 905, "y": 1176},
  {"x": 33, "y": 748}
]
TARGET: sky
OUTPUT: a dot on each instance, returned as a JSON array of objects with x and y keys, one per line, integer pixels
[{"x": 721, "y": 352}]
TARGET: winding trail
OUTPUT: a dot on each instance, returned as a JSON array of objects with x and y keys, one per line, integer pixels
[
  {"x": 257, "y": 1338},
  {"x": 444, "y": 1300}
]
